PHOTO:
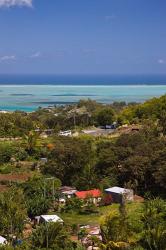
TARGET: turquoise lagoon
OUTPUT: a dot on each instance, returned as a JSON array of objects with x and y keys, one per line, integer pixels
[{"x": 30, "y": 97}]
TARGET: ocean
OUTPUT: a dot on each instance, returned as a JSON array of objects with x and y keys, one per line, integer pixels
[{"x": 28, "y": 92}]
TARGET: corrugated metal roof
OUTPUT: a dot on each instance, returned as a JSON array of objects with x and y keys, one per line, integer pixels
[
  {"x": 118, "y": 190},
  {"x": 3, "y": 240},
  {"x": 51, "y": 218},
  {"x": 92, "y": 193}
]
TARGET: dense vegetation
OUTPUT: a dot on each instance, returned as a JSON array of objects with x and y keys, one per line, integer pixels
[
  {"x": 83, "y": 114},
  {"x": 136, "y": 160}
]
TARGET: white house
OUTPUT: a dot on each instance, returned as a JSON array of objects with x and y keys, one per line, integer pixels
[
  {"x": 67, "y": 192},
  {"x": 50, "y": 218},
  {"x": 3, "y": 241},
  {"x": 118, "y": 194}
]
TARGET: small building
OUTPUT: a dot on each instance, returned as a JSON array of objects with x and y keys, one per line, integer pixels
[
  {"x": 119, "y": 194},
  {"x": 3, "y": 241},
  {"x": 48, "y": 218},
  {"x": 44, "y": 133},
  {"x": 67, "y": 191},
  {"x": 43, "y": 160},
  {"x": 94, "y": 195}
]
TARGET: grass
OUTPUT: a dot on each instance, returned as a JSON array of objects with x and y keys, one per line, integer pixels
[{"x": 134, "y": 210}]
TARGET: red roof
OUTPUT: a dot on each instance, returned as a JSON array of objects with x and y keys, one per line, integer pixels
[{"x": 92, "y": 193}]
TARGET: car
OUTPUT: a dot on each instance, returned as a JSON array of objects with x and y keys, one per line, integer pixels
[{"x": 65, "y": 133}]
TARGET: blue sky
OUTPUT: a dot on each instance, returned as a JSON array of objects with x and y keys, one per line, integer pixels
[{"x": 83, "y": 36}]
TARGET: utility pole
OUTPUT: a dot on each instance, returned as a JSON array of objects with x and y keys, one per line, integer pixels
[
  {"x": 74, "y": 117},
  {"x": 46, "y": 235},
  {"x": 53, "y": 192},
  {"x": 53, "y": 187},
  {"x": 44, "y": 188}
]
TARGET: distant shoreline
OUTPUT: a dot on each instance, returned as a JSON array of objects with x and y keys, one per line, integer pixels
[{"x": 28, "y": 97}]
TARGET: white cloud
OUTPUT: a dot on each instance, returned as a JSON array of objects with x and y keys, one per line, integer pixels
[
  {"x": 35, "y": 55},
  {"x": 12, "y": 3},
  {"x": 161, "y": 61},
  {"x": 7, "y": 58}
]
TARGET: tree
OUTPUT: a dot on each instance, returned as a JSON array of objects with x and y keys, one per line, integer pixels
[
  {"x": 159, "y": 171},
  {"x": 154, "y": 234},
  {"x": 88, "y": 179},
  {"x": 105, "y": 116},
  {"x": 69, "y": 157},
  {"x": 39, "y": 194},
  {"x": 116, "y": 230},
  {"x": 51, "y": 236},
  {"x": 12, "y": 212},
  {"x": 38, "y": 205},
  {"x": 135, "y": 170},
  {"x": 31, "y": 141},
  {"x": 6, "y": 152},
  {"x": 73, "y": 204},
  {"x": 107, "y": 160},
  {"x": 23, "y": 246}
]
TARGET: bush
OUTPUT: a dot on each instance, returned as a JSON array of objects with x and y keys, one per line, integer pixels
[
  {"x": 6, "y": 152},
  {"x": 5, "y": 169},
  {"x": 73, "y": 204},
  {"x": 21, "y": 155}
]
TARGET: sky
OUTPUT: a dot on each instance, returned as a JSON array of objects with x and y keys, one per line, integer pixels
[{"x": 82, "y": 36}]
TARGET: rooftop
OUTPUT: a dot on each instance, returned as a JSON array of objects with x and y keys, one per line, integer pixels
[
  {"x": 51, "y": 218},
  {"x": 92, "y": 193},
  {"x": 67, "y": 188},
  {"x": 2, "y": 240},
  {"x": 118, "y": 190}
]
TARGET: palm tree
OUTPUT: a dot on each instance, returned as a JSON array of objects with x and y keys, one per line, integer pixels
[
  {"x": 154, "y": 235},
  {"x": 31, "y": 141},
  {"x": 89, "y": 176},
  {"x": 116, "y": 231},
  {"x": 51, "y": 236},
  {"x": 111, "y": 245}
]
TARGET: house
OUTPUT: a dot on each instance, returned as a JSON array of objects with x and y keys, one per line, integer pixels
[
  {"x": 98, "y": 131},
  {"x": 94, "y": 195},
  {"x": 50, "y": 218},
  {"x": 119, "y": 194},
  {"x": 67, "y": 191},
  {"x": 44, "y": 133},
  {"x": 3, "y": 241}
]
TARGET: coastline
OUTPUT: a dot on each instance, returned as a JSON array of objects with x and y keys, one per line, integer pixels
[{"x": 29, "y": 97}]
